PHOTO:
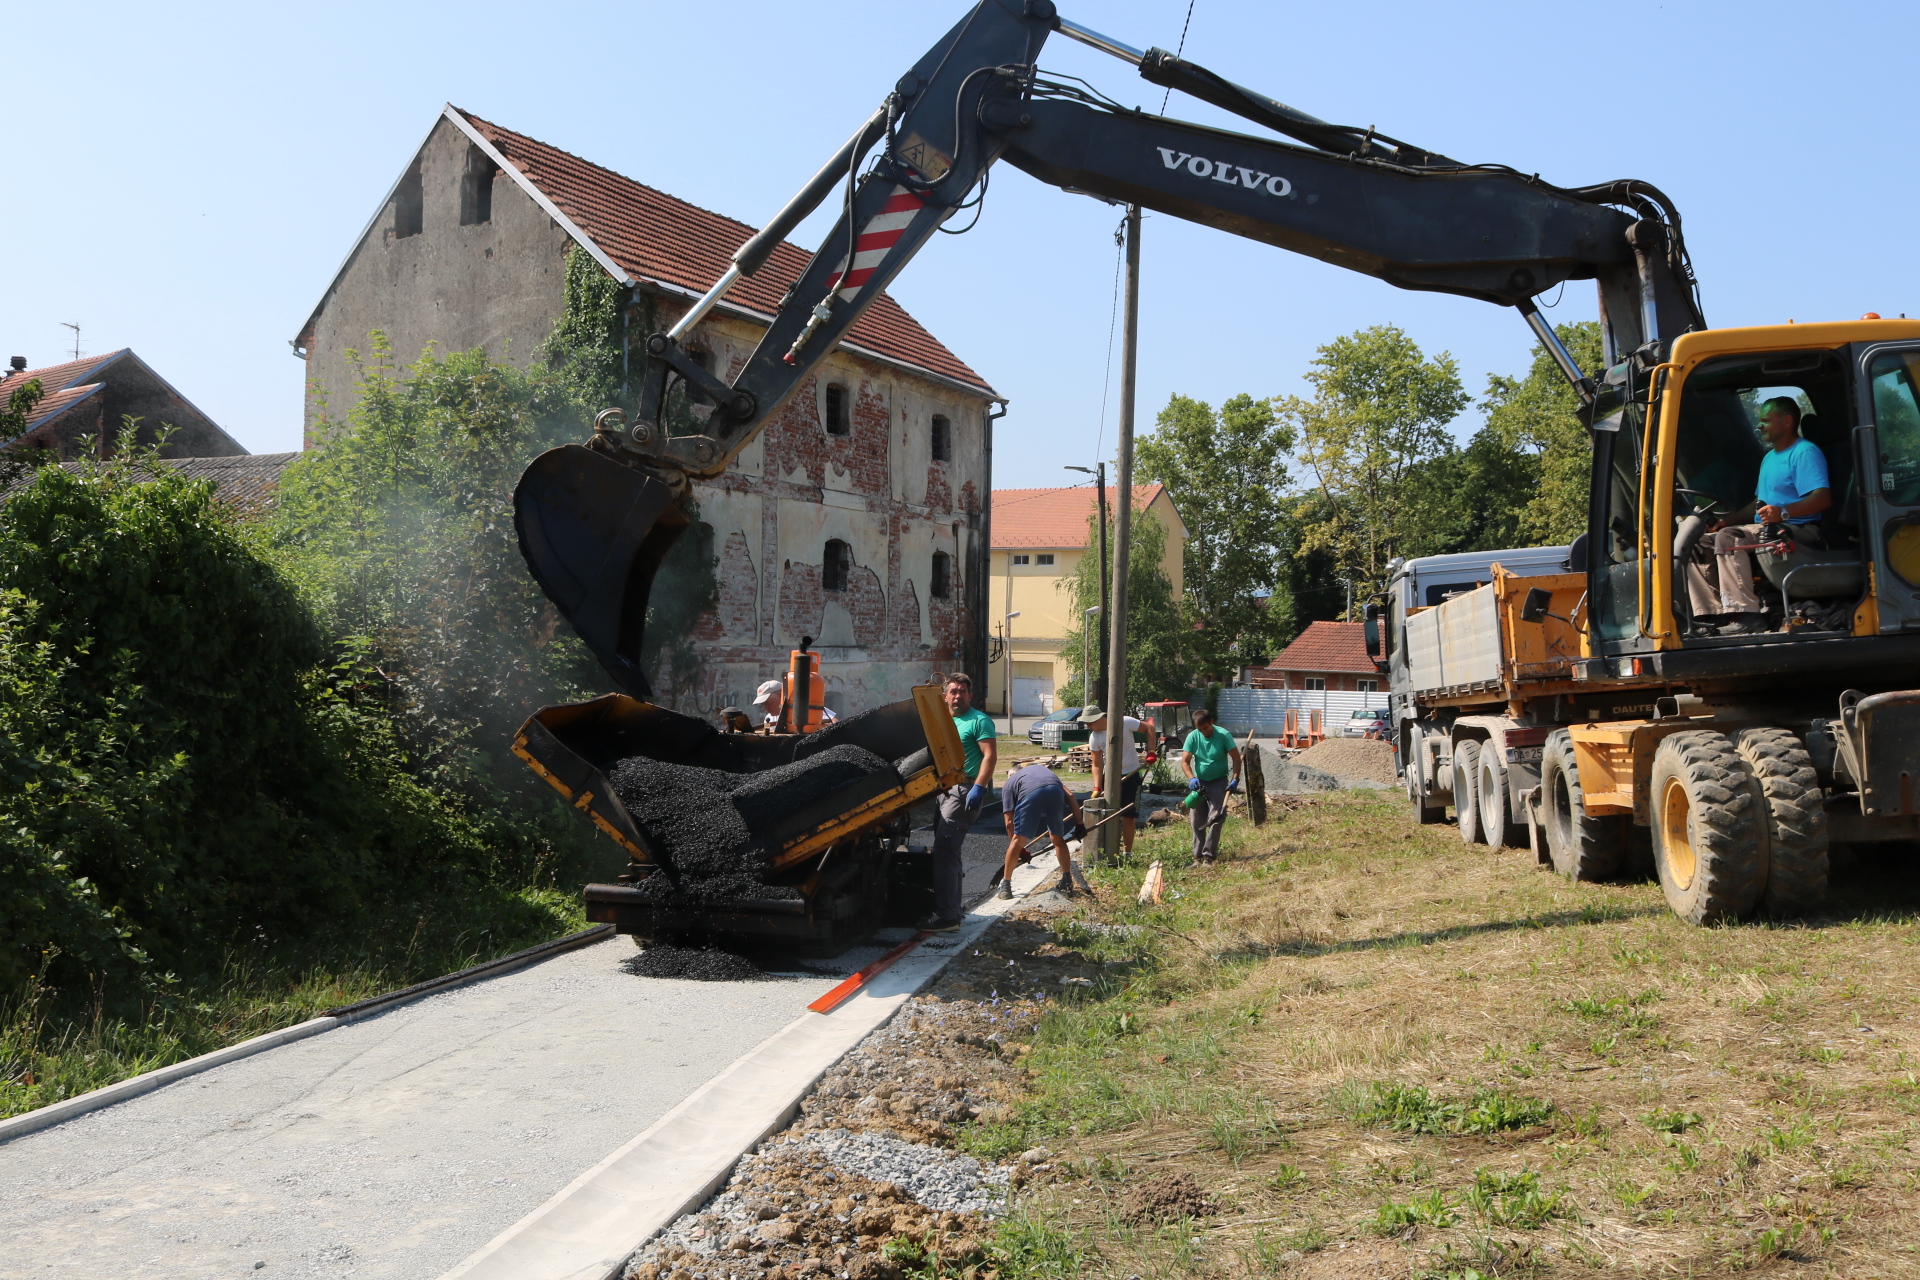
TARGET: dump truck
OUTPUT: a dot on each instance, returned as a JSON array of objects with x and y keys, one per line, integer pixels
[
  {"x": 837, "y": 866},
  {"x": 1585, "y": 701},
  {"x": 1741, "y": 757}
]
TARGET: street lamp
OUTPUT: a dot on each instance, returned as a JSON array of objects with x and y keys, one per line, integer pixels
[{"x": 1006, "y": 633}]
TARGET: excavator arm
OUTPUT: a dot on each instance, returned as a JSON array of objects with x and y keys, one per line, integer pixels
[{"x": 594, "y": 522}]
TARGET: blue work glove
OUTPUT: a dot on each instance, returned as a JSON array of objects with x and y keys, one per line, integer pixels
[
  {"x": 977, "y": 796},
  {"x": 1234, "y": 786},
  {"x": 1193, "y": 784}
]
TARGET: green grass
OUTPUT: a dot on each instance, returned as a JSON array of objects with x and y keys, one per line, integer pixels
[
  {"x": 56, "y": 1044},
  {"x": 1414, "y": 1109}
]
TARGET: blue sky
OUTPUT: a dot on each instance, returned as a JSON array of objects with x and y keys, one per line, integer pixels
[{"x": 189, "y": 177}]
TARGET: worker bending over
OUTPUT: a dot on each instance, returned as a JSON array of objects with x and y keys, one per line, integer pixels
[
  {"x": 960, "y": 804},
  {"x": 1792, "y": 490},
  {"x": 1211, "y": 760},
  {"x": 1036, "y": 803}
]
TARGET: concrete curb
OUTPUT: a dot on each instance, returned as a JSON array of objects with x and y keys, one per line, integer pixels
[
  {"x": 80, "y": 1104},
  {"x": 590, "y": 1229}
]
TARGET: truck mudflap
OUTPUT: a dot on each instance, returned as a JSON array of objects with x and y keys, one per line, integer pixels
[{"x": 1879, "y": 746}]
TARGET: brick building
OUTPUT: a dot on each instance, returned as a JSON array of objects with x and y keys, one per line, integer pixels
[
  {"x": 858, "y": 515},
  {"x": 1329, "y": 656}
]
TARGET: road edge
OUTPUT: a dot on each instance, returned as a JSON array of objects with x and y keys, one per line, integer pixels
[
  {"x": 592, "y": 1227},
  {"x": 134, "y": 1086}
]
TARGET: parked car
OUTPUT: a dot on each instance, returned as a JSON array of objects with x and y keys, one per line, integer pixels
[
  {"x": 1366, "y": 724},
  {"x": 1066, "y": 715}
]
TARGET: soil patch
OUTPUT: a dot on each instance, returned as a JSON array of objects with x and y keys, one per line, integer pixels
[
  {"x": 1351, "y": 758},
  {"x": 1167, "y": 1198}
]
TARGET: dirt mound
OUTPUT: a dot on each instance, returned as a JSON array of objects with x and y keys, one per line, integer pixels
[
  {"x": 1167, "y": 1198},
  {"x": 702, "y": 964},
  {"x": 1355, "y": 758}
]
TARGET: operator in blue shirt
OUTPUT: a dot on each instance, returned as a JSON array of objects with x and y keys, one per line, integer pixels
[{"x": 1792, "y": 490}]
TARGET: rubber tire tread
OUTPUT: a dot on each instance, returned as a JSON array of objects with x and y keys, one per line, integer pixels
[
  {"x": 1466, "y": 790},
  {"x": 1795, "y": 818},
  {"x": 1497, "y": 826},
  {"x": 1729, "y": 859},
  {"x": 1589, "y": 848}
]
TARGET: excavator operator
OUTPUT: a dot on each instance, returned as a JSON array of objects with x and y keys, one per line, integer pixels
[{"x": 1791, "y": 492}]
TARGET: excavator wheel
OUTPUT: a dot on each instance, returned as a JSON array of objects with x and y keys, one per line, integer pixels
[
  {"x": 1583, "y": 846},
  {"x": 1497, "y": 826},
  {"x": 1466, "y": 790},
  {"x": 1793, "y": 819},
  {"x": 1707, "y": 828}
]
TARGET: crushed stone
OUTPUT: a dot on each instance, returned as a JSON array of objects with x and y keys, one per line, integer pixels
[
  {"x": 701, "y": 964},
  {"x": 1351, "y": 759},
  {"x": 940, "y": 1180}
]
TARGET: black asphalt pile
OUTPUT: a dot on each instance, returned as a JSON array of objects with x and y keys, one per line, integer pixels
[
  {"x": 707, "y": 824},
  {"x": 701, "y": 964}
]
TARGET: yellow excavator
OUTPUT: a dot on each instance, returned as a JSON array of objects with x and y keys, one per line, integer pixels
[{"x": 1583, "y": 705}]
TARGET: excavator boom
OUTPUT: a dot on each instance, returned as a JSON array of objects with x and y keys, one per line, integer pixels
[{"x": 1352, "y": 197}]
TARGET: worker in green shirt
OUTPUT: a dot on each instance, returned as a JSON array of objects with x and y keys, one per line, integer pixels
[
  {"x": 1211, "y": 761},
  {"x": 960, "y": 804}
]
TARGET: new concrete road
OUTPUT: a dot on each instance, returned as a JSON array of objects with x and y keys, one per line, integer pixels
[{"x": 397, "y": 1146}]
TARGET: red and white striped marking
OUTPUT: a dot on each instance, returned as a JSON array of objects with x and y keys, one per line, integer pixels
[{"x": 881, "y": 233}]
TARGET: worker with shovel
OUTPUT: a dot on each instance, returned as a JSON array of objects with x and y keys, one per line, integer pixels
[{"x": 1036, "y": 803}]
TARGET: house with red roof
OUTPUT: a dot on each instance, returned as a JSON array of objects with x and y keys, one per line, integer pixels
[
  {"x": 1330, "y": 656},
  {"x": 857, "y": 517},
  {"x": 1039, "y": 536},
  {"x": 91, "y": 397}
]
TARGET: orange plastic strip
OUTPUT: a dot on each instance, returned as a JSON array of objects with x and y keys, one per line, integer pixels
[{"x": 834, "y": 998}]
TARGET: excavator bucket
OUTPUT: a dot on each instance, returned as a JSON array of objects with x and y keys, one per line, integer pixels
[{"x": 594, "y": 533}]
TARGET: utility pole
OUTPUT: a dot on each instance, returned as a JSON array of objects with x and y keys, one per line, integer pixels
[
  {"x": 1100, "y": 486},
  {"x": 1116, "y": 702}
]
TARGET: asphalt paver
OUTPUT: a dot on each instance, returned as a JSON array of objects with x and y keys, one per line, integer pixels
[{"x": 396, "y": 1146}]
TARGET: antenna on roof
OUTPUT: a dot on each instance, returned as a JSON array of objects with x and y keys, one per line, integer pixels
[{"x": 76, "y": 337}]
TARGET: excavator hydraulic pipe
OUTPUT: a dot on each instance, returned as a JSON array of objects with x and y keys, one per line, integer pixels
[
  {"x": 749, "y": 256},
  {"x": 1582, "y": 384},
  {"x": 1105, "y": 44}
]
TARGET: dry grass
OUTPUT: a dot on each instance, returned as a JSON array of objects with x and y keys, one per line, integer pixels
[{"x": 1736, "y": 1099}]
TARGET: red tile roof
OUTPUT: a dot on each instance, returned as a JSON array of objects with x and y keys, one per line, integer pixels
[
  {"x": 1327, "y": 646},
  {"x": 1053, "y": 517},
  {"x": 58, "y": 377},
  {"x": 655, "y": 237}
]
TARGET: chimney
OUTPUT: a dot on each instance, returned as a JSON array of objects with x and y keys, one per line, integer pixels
[{"x": 17, "y": 364}]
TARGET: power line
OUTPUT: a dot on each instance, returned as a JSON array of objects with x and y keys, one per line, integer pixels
[{"x": 1167, "y": 96}]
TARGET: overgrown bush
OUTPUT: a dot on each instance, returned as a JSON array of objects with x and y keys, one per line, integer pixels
[{"x": 185, "y": 760}]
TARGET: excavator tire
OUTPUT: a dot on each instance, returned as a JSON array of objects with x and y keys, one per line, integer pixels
[
  {"x": 1466, "y": 790},
  {"x": 1793, "y": 819},
  {"x": 1707, "y": 828},
  {"x": 1497, "y": 826},
  {"x": 1583, "y": 846}
]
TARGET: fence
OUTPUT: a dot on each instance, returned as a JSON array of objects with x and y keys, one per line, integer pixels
[{"x": 1263, "y": 712}]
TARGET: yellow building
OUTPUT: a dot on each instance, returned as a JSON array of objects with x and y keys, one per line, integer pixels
[{"x": 1039, "y": 536}]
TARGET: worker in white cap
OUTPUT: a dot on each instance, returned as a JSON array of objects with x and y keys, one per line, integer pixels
[{"x": 771, "y": 696}]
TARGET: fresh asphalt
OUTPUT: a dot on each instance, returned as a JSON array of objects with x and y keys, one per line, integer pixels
[{"x": 396, "y": 1146}]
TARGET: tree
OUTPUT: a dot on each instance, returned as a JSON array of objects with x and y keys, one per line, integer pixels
[
  {"x": 1537, "y": 412},
  {"x": 1226, "y": 472},
  {"x": 1157, "y": 635},
  {"x": 1470, "y": 499},
  {"x": 1379, "y": 412}
]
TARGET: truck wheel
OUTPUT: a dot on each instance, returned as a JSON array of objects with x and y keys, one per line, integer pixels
[
  {"x": 1793, "y": 819},
  {"x": 1497, "y": 826},
  {"x": 1466, "y": 790},
  {"x": 1423, "y": 813},
  {"x": 1706, "y": 828},
  {"x": 1583, "y": 846}
]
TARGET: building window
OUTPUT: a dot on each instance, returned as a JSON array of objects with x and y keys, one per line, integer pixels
[
  {"x": 942, "y": 584},
  {"x": 408, "y": 204},
  {"x": 836, "y": 409},
  {"x": 1023, "y": 559},
  {"x": 1045, "y": 557},
  {"x": 1367, "y": 686},
  {"x": 835, "y": 563},
  {"x": 476, "y": 187},
  {"x": 942, "y": 439},
  {"x": 1315, "y": 683}
]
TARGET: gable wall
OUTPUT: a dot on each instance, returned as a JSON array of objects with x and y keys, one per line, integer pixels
[{"x": 498, "y": 285}]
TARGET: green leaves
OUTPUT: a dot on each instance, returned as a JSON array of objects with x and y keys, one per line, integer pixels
[{"x": 1536, "y": 412}]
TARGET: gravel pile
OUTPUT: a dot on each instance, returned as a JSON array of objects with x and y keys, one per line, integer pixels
[
  {"x": 940, "y": 1180},
  {"x": 701, "y": 964},
  {"x": 1351, "y": 758}
]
